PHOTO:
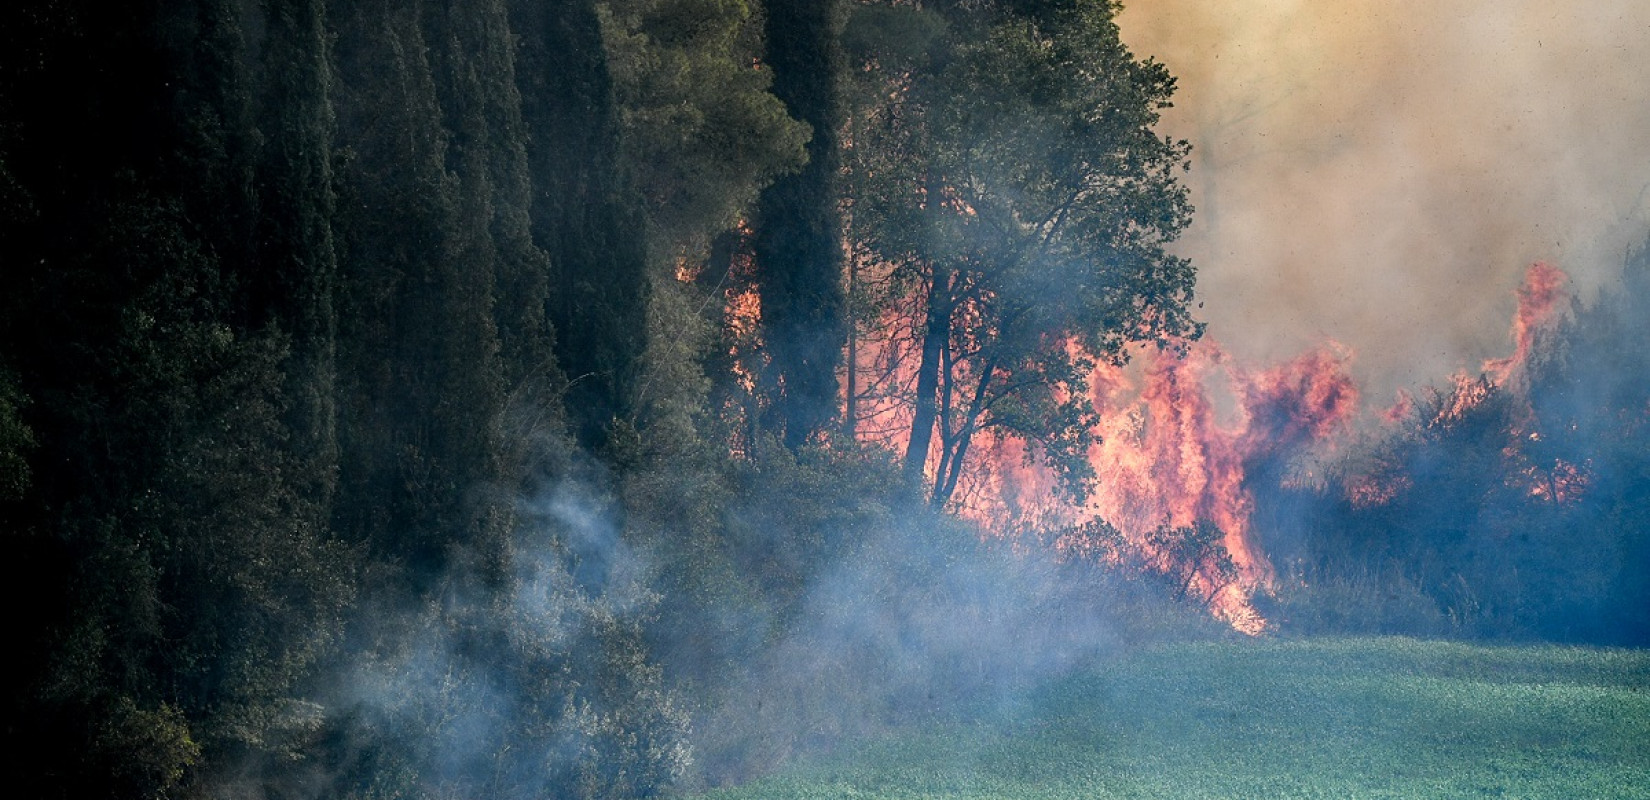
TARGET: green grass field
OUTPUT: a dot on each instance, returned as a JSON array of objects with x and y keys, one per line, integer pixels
[{"x": 1351, "y": 718}]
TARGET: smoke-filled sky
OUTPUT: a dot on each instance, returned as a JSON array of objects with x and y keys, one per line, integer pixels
[{"x": 1381, "y": 172}]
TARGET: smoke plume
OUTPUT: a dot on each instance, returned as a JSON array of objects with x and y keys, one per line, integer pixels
[{"x": 1380, "y": 173}]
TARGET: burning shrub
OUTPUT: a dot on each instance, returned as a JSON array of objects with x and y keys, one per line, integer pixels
[{"x": 1507, "y": 505}]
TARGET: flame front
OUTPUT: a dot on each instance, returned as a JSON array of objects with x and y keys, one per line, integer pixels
[
  {"x": 1166, "y": 460},
  {"x": 1188, "y": 439}
]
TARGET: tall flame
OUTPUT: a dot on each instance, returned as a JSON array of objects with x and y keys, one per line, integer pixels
[
  {"x": 1166, "y": 459},
  {"x": 1539, "y": 300}
]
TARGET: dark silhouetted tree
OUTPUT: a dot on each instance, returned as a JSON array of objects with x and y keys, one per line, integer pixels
[
  {"x": 797, "y": 236},
  {"x": 582, "y": 212}
]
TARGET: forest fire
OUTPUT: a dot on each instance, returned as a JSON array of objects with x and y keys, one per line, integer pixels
[
  {"x": 1167, "y": 461},
  {"x": 1539, "y": 300},
  {"x": 1185, "y": 440},
  {"x": 449, "y": 400}
]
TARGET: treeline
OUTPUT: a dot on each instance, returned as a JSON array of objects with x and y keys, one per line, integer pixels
[
  {"x": 312, "y": 312},
  {"x": 1500, "y": 509},
  {"x": 370, "y": 422}
]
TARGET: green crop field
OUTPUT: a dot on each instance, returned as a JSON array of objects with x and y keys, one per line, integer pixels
[{"x": 1345, "y": 718}]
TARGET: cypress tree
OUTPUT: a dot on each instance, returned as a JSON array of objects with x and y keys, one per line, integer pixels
[
  {"x": 192, "y": 589},
  {"x": 474, "y": 59},
  {"x": 581, "y": 212},
  {"x": 292, "y": 271},
  {"x": 418, "y": 347},
  {"x": 797, "y": 239}
]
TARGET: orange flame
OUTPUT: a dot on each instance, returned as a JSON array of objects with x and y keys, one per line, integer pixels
[
  {"x": 1165, "y": 460},
  {"x": 741, "y": 306},
  {"x": 1181, "y": 438},
  {"x": 1539, "y": 299}
]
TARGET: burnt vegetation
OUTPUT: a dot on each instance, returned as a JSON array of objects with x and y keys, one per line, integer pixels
[{"x": 375, "y": 420}]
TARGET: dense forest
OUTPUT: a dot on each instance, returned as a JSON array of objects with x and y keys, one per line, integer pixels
[{"x": 516, "y": 398}]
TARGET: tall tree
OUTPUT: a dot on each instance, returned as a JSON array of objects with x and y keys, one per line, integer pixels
[
  {"x": 194, "y": 585},
  {"x": 700, "y": 134},
  {"x": 582, "y": 213},
  {"x": 419, "y": 344},
  {"x": 288, "y": 264},
  {"x": 1021, "y": 202},
  {"x": 797, "y": 237},
  {"x": 474, "y": 59}
]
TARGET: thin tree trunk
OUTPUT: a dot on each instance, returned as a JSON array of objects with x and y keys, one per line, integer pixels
[
  {"x": 850, "y": 414},
  {"x": 934, "y": 337},
  {"x": 945, "y": 483},
  {"x": 944, "y": 415}
]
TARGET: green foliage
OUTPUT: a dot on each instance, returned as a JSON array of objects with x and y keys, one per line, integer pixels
[
  {"x": 672, "y": 399},
  {"x": 255, "y": 373},
  {"x": 194, "y": 587},
  {"x": 474, "y": 66},
  {"x": 583, "y": 211},
  {"x": 741, "y": 539},
  {"x": 1335, "y": 602},
  {"x": 891, "y": 37},
  {"x": 419, "y": 349},
  {"x": 147, "y": 752},
  {"x": 699, "y": 130},
  {"x": 1194, "y": 560},
  {"x": 247, "y": 595},
  {"x": 1186, "y": 567},
  {"x": 1019, "y": 197},
  {"x": 699, "y": 134},
  {"x": 541, "y": 689}
]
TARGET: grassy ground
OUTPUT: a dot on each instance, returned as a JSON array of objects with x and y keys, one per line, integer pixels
[{"x": 1355, "y": 718}]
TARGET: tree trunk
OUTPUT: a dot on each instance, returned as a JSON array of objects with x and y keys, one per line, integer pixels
[
  {"x": 935, "y": 335},
  {"x": 945, "y": 482},
  {"x": 850, "y": 411}
]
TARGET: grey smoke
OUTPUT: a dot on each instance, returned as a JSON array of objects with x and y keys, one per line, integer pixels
[{"x": 1380, "y": 172}]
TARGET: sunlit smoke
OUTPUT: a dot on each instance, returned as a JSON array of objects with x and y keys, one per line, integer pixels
[{"x": 1374, "y": 171}]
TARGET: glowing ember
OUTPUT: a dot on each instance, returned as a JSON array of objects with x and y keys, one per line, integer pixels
[
  {"x": 743, "y": 319},
  {"x": 1560, "y": 483},
  {"x": 1368, "y": 491}
]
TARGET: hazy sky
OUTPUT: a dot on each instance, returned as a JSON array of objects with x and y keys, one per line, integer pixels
[{"x": 1381, "y": 172}]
